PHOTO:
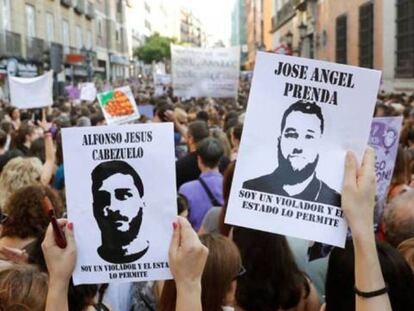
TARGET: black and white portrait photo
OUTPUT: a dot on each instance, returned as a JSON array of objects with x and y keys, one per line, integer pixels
[
  {"x": 302, "y": 127},
  {"x": 119, "y": 207}
]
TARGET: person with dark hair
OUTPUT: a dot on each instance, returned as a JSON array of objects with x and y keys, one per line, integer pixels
[
  {"x": 202, "y": 116},
  {"x": 182, "y": 205},
  {"x": 25, "y": 135},
  {"x": 272, "y": 280},
  {"x": 206, "y": 191},
  {"x": 340, "y": 280},
  {"x": 302, "y": 128},
  {"x": 187, "y": 167},
  {"x": 118, "y": 207}
]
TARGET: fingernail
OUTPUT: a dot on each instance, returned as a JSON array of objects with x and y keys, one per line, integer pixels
[
  {"x": 70, "y": 226},
  {"x": 174, "y": 225}
]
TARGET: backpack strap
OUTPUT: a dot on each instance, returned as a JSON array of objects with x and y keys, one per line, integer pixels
[{"x": 212, "y": 198}]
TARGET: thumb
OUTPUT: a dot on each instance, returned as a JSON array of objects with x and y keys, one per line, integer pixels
[{"x": 175, "y": 240}]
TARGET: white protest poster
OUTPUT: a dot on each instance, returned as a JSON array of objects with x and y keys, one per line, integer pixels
[
  {"x": 88, "y": 91},
  {"x": 26, "y": 93},
  {"x": 384, "y": 138},
  {"x": 199, "y": 72},
  {"x": 121, "y": 198},
  {"x": 302, "y": 117},
  {"x": 118, "y": 105}
]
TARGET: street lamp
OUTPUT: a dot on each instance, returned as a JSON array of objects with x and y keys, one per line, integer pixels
[{"x": 303, "y": 29}]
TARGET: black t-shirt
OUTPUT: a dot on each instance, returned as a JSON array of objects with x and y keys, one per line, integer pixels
[{"x": 187, "y": 169}]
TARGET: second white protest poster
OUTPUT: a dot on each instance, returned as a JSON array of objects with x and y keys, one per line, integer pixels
[
  {"x": 120, "y": 189},
  {"x": 302, "y": 117}
]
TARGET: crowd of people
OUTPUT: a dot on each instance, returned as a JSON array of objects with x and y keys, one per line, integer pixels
[{"x": 215, "y": 266}]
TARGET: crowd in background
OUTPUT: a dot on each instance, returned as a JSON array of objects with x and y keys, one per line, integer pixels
[{"x": 224, "y": 267}]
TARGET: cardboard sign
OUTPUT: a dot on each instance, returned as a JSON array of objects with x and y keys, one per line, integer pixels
[
  {"x": 384, "y": 138},
  {"x": 118, "y": 105},
  {"x": 198, "y": 72},
  {"x": 302, "y": 117},
  {"x": 26, "y": 93},
  {"x": 88, "y": 91},
  {"x": 121, "y": 197}
]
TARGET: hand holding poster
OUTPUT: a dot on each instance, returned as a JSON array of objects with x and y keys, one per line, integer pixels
[
  {"x": 384, "y": 138},
  {"x": 26, "y": 93},
  {"x": 302, "y": 117},
  {"x": 118, "y": 106},
  {"x": 198, "y": 72},
  {"x": 120, "y": 188}
]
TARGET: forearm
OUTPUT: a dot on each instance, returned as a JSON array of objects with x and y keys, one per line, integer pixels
[
  {"x": 57, "y": 296},
  {"x": 189, "y": 297},
  {"x": 49, "y": 164},
  {"x": 368, "y": 274}
]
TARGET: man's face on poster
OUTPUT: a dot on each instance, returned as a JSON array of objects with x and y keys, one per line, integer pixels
[
  {"x": 299, "y": 141},
  {"x": 118, "y": 207}
]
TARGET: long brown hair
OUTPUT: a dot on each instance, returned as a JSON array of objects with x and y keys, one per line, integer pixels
[
  {"x": 23, "y": 288},
  {"x": 222, "y": 267}
]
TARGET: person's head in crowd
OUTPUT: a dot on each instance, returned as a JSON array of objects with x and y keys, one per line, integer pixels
[
  {"x": 26, "y": 218},
  {"x": 230, "y": 120},
  {"x": 25, "y": 135},
  {"x": 236, "y": 133},
  {"x": 272, "y": 280},
  {"x": 401, "y": 176},
  {"x": 17, "y": 173},
  {"x": 181, "y": 115},
  {"x": 220, "y": 274},
  {"x": 3, "y": 141},
  {"x": 14, "y": 113},
  {"x": 192, "y": 113},
  {"x": 209, "y": 153},
  {"x": 118, "y": 207},
  {"x": 23, "y": 288},
  {"x": 340, "y": 279},
  {"x": 398, "y": 219},
  {"x": 97, "y": 119},
  {"x": 182, "y": 205},
  {"x": 37, "y": 149},
  {"x": 227, "y": 182},
  {"x": 161, "y": 112},
  {"x": 410, "y": 138},
  {"x": 406, "y": 249},
  {"x": 83, "y": 121},
  {"x": 214, "y": 120},
  {"x": 197, "y": 131},
  {"x": 202, "y": 116},
  {"x": 222, "y": 137},
  {"x": 381, "y": 110},
  {"x": 6, "y": 126},
  {"x": 62, "y": 121},
  {"x": 81, "y": 297}
]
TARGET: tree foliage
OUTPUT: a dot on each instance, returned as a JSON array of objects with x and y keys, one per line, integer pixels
[{"x": 156, "y": 48}]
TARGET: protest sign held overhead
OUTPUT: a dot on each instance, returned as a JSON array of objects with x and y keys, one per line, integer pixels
[
  {"x": 302, "y": 117},
  {"x": 384, "y": 138},
  {"x": 88, "y": 91},
  {"x": 123, "y": 221},
  {"x": 198, "y": 72},
  {"x": 118, "y": 105},
  {"x": 26, "y": 93}
]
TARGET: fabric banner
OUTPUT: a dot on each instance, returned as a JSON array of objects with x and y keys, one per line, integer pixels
[
  {"x": 199, "y": 72},
  {"x": 121, "y": 198},
  {"x": 118, "y": 105},
  {"x": 384, "y": 138},
  {"x": 302, "y": 117},
  {"x": 26, "y": 93}
]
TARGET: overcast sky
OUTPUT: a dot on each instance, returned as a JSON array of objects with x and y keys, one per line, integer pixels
[{"x": 215, "y": 16}]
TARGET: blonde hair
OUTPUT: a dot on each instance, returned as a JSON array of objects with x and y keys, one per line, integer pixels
[{"x": 17, "y": 173}]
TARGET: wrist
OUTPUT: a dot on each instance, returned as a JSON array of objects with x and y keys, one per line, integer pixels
[
  {"x": 189, "y": 286},
  {"x": 59, "y": 283}
]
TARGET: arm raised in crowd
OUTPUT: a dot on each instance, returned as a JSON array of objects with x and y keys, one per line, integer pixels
[
  {"x": 358, "y": 201},
  {"x": 50, "y": 154},
  {"x": 60, "y": 265},
  {"x": 187, "y": 260}
]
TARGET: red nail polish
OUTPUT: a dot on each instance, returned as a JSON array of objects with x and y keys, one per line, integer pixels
[
  {"x": 70, "y": 226},
  {"x": 174, "y": 225}
]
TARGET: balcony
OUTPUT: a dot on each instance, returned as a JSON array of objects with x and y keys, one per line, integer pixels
[
  {"x": 284, "y": 14},
  {"x": 34, "y": 49},
  {"x": 90, "y": 10},
  {"x": 66, "y": 3},
  {"x": 10, "y": 44},
  {"x": 80, "y": 7}
]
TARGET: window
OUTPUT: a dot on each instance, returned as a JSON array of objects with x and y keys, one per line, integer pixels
[
  {"x": 79, "y": 43},
  {"x": 30, "y": 21},
  {"x": 89, "y": 40},
  {"x": 366, "y": 35},
  {"x": 66, "y": 38},
  {"x": 341, "y": 39},
  {"x": 99, "y": 26},
  {"x": 50, "y": 29},
  {"x": 405, "y": 39},
  {"x": 6, "y": 15}
]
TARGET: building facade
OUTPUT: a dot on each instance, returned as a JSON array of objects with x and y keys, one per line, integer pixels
[
  {"x": 375, "y": 34},
  {"x": 238, "y": 29},
  {"x": 191, "y": 30},
  {"x": 37, "y": 35}
]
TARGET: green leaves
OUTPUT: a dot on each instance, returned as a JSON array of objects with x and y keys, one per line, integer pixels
[{"x": 156, "y": 48}]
